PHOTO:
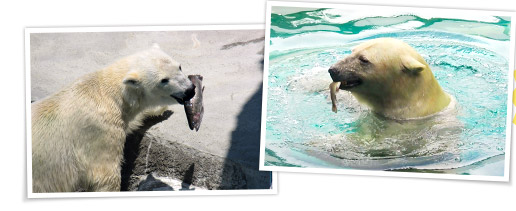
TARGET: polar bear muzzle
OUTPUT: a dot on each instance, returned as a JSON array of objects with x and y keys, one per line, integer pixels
[
  {"x": 186, "y": 96},
  {"x": 348, "y": 79}
]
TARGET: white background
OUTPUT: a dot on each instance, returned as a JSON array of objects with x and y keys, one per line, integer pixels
[{"x": 296, "y": 190}]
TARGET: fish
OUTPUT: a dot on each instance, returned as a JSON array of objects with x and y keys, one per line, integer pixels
[
  {"x": 194, "y": 107},
  {"x": 334, "y": 87}
]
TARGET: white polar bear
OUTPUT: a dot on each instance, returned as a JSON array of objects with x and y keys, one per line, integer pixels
[
  {"x": 78, "y": 134},
  {"x": 391, "y": 78}
]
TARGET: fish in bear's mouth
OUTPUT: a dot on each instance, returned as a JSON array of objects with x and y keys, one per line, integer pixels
[
  {"x": 182, "y": 101},
  {"x": 342, "y": 80},
  {"x": 189, "y": 94}
]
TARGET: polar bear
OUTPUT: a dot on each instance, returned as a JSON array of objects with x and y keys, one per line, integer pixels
[
  {"x": 391, "y": 78},
  {"x": 78, "y": 133}
]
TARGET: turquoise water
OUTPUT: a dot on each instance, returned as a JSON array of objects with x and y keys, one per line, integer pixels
[{"x": 469, "y": 58}]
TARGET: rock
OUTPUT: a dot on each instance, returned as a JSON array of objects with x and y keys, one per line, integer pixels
[{"x": 152, "y": 160}]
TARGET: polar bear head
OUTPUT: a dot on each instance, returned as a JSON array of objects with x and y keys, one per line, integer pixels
[
  {"x": 390, "y": 77},
  {"x": 155, "y": 79}
]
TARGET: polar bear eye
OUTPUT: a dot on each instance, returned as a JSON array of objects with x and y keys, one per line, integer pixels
[
  {"x": 165, "y": 81},
  {"x": 363, "y": 59},
  {"x": 180, "y": 68}
]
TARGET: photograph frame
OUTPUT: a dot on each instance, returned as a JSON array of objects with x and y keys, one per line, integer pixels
[
  {"x": 27, "y": 44},
  {"x": 346, "y": 6}
]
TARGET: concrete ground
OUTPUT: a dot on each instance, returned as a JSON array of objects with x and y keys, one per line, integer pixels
[{"x": 231, "y": 62}]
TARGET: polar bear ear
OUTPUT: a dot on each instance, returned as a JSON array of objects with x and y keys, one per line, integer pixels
[
  {"x": 132, "y": 79},
  {"x": 156, "y": 46},
  {"x": 411, "y": 65}
]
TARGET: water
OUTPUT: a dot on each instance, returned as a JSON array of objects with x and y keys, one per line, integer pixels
[{"x": 469, "y": 58}]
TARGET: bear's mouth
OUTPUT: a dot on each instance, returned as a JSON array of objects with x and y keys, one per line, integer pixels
[
  {"x": 347, "y": 79},
  {"x": 179, "y": 100},
  {"x": 186, "y": 96},
  {"x": 350, "y": 83}
]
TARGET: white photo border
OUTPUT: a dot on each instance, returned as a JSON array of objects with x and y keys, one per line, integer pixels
[
  {"x": 510, "y": 106},
  {"x": 31, "y": 195}
]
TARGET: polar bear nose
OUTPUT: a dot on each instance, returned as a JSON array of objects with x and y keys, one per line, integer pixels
[
  {"x": 189, "y": 93},
  {"x": 334, "y": 72}
]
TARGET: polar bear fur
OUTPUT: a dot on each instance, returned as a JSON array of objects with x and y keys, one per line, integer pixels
[
  {"x": 391, "y": 78},
  {"x": 78, "y": 133}
]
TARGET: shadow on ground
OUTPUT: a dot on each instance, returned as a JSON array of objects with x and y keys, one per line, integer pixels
[{"x": 245, "y": 142}]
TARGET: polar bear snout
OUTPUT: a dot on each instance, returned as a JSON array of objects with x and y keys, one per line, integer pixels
[
  {"x": 185, "y": 96},
  {"x": 334, "y": 74},
  {"x": 348, "y": 79}
]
